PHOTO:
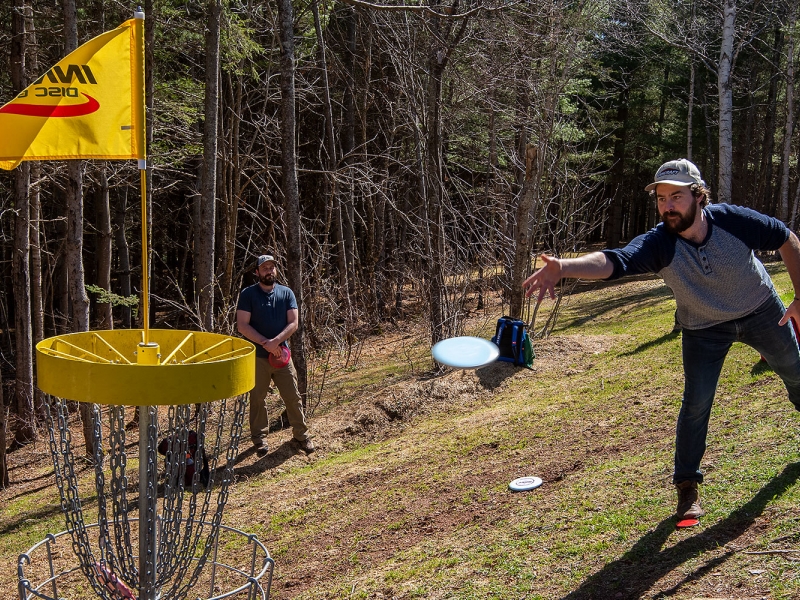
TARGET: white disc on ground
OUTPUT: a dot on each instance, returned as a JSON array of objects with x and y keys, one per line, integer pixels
[
  {"x": 523, "y": 484},
  {"x": 465, "y": 352}
]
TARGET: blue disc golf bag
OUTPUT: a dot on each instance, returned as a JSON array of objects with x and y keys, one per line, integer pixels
[{"x": 511, "y": 336}]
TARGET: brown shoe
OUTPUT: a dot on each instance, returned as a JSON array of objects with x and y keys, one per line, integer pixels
[
  {"x": 261, "y": 448},
  {"x": 688, "y": 501},
  {"x": 305, "y": 445}
]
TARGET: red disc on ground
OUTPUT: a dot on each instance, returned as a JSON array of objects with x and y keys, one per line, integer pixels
[
  {"x": 686, "y": 523},
  {"x": 284, "y": 359}
]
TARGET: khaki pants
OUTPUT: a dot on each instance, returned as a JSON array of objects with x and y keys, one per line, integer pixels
[{"x": 286, "y": 381}]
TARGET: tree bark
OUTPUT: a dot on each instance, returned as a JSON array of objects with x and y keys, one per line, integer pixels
[
  {"x": 123, "y": 255},
  {"x": 433, "y": 192},
  {"x": 74, "y": 235},
  {"x": 616, "y": 187},
  {"x": 725, "y": 90},
  {"x": 344, "y": 201},
  {"x": 4, "y": 479},
  {"x": 690, "y": 112},
  {"x": 442, "y": 44},
  {"x": 36, "y": 282},
  {"x": 205, "y": 232},
  {"x": 789, "y": 130},
  {"x": 522, "y": 234},
  {"x": 233, "y": 193},
  {"x": 26, "y": 424},
  {"x": 103, "y": 311},
  {"x": 289, "y": 186},
  {"x": 764, "y": 191},
  {"x": 333, "y": 208}
]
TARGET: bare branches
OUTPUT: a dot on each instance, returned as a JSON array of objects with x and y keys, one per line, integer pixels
[{"x": 449, "y": 12}]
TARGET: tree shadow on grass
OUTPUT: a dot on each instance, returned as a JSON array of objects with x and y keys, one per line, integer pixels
[
  {"x": 656, "y": 342},
  {"x": 13, "y": 524},
  {"x": 271, "y": 460},
  {"x": 645, "y": 563},
  {"x": 594, "y": 309}
]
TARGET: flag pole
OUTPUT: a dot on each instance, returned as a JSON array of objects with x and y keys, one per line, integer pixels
[
  {"x": 140, "y": 126},
  {"x": 147, "y": 353},
  {"x": 145, "y": 253}
]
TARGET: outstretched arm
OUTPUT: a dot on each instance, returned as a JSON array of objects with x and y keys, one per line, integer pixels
[
  {"x": 790, "y": 253},
  {"x": 595, "y": 265}
]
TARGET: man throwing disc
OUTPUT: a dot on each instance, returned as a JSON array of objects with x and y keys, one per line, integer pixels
[
  {"x": 704, "y": 253},
  {"x": 267, "y": 315}
]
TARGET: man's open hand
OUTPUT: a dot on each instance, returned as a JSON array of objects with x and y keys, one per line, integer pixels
[{"x": 544, "y": 280}]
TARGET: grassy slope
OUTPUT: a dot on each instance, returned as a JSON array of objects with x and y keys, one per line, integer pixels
[{"x": 424, "y": 510}]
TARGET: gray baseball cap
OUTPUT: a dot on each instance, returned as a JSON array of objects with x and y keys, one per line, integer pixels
[
  {"x": 677, "y": 172},
  {"x": 265, "y": 258}
]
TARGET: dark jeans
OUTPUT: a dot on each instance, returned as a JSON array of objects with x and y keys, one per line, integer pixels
[{"x": 704, "y": 351}]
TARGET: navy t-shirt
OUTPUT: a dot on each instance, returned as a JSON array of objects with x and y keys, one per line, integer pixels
[{"x": 267, "y": 310}]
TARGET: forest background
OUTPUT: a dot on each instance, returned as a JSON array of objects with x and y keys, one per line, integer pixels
[{"x": 382, "y": 152}]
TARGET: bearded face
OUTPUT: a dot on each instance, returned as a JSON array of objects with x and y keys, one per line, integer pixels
[
  {"x": 677, "y": 222},
  {"x": 266, "y": 274}
]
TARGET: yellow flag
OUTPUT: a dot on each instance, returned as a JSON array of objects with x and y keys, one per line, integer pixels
[{"x": 89, "y": 105}]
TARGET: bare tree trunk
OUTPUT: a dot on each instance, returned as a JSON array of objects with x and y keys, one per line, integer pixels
[
  {"x": 616, "y": 187},
  {"x": 333, "y": 207},
  {"x": 233, "y": 194},
  {"x": 433, "y": 193},
  {"x": 689, "y": 116},
  {"x": 443, "y": 42},
  {"x": 36, "y": 283},
  {"x": 689, "y": 123},
  {"x": 291, "y": 193},
  {"x": 205, "y": 232},
  {"x": 789, "y": 131},
  {"x": 26, "y": 428},
  {"x": 795, "y": 203},
  {"x": 4, "y": 479},
  {"x": 123, "y": 255},
  {"x": 344, "y": 201},
  {"x": 522, "y": 235},
  {"x": 711, "y": 170},
  {"x": 74, "y": 234},
  {"x": 724, "y": 86},
  {"x": 74, "y": 248},
  {"x": 103, "y": 311},
  {"x": 330, "y": 178},
  {"x": 37, "y": 297},
  {"x": 764, "y": 190}
]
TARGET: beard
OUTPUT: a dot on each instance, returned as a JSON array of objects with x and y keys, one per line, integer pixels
[
  {"x": 683, "y": 221},
  {"x": 267, "y": 280}
]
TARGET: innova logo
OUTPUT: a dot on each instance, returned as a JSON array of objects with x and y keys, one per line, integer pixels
[{"x": 63, "y": 88}]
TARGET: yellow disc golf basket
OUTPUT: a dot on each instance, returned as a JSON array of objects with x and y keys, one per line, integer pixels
[{"x": 200, "y": 382}]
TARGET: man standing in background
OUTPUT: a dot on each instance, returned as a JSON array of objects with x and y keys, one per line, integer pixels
[{"x": 267, "y": 315}]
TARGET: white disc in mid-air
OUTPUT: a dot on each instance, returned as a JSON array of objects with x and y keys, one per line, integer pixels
[
  {"x": 465, "y": 352},
  {"x": 523, "y": 484}
]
